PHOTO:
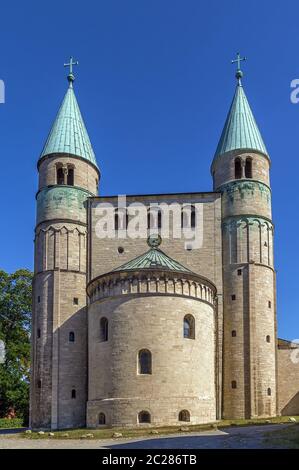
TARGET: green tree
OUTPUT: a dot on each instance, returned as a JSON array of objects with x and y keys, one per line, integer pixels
[{"x": 15, "y": 320}]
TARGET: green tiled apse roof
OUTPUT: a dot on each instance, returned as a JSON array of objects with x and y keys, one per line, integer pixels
[
  {"x": 240, "y": 128},
  {"x": 68, "y": 133},
  {"x": 154, "y": 258}
]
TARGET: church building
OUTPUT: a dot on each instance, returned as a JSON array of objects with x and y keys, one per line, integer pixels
[{"x": 156, "y": 330}]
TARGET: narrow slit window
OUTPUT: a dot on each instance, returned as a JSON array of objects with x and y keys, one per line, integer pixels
[
  {"x": 238, "y": 168},
  {"x": 248, "y": 168},
  {"x": 60, "y": 175},
  {"x": 144, "y": 417},
  {"x": 70, "y": 177},
  {"x": 103, "y": 329}
]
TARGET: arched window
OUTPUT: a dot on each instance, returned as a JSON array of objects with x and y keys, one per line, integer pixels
[
  {"x": 188, "y": 216},
  {"x": 71, "y": 337},
  {"x": 144, "y": 362},
  {"x": 102, "y": 419},
  {"x": 70, "y": 176},
  {"x": 234, "y": 384},
  {"x": 234, "y": 333},
  {"x": 121, "y": 219},
  {"x": 248, "y": 168},
  {"x": 189, "y": 327},
  {"x": 150, "y": 222},
  {"x": 184, "y": 415},
  {"x": 159, "y": 219},
  {"x": 103, "y": 329},
  {"x": 154, "y": 218},
  {"x": 144, "y": 417},
  {"x": 268, "y": 339},
  {"x": 60, "y": 175},
  {"x": 238, "y": 168},
  {"x": 73, "y": 394},
  {"x": 116, "y": 220},
  {"x": 269, "y": 392}
]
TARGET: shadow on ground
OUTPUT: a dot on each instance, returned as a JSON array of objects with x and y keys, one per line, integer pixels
[{"x": 12, "y": 430}]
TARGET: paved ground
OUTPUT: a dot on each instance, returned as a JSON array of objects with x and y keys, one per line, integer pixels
[{"x": 249, "y": 437}]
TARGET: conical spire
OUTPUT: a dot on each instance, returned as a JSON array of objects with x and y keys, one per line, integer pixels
[
  {"x": 68, "y": 134},
  {"x": 240, "y": 129}
]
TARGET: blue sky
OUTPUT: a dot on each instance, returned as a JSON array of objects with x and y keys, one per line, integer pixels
[{"x": 154, "y": 85}]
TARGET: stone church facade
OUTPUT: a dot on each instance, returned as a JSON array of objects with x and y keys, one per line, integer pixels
[{"x": 150, "y": 330}]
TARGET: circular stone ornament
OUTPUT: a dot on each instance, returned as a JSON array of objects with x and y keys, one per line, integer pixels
[{"x": 154, "y": 240}]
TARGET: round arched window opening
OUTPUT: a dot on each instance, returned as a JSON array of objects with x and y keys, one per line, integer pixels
[
  {"x": 144, "y": 362},
  {"x": 238, "y": 168},
  {"x": 189, "y": 327},
  {"x": 144, "y": 417},
  {"x": 102, "y": 419},
  {"x": 248, "y": 167},
  {"x": 184, "y": 415}
]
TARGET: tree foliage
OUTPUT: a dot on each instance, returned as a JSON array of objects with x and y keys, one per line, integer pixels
[{"x": 15, "y": 322}]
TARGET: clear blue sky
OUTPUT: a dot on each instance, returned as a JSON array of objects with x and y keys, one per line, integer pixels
[{"x": 154, "y": 85}]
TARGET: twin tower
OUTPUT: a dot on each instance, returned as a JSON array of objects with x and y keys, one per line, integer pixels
[{"x": 236, "y": 378}]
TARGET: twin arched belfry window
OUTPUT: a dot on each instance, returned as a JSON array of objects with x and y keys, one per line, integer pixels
[
  {"x": 65, "y": 174},
  {"x": 239, "y": 170},
  {"x": 188, "y": 216},
  {"x": 121, "y": 219}
]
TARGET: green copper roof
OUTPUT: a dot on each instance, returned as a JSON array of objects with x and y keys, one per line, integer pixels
[
  {"x": 240, "y": 128},
  {"x": 154, "y": 258},
  {"x": 68, "y": 133}
]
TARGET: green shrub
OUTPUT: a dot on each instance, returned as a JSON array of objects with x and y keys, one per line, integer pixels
[{"x": 11, "y": 423}]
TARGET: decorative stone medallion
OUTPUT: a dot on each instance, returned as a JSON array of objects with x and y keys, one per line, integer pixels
[{"x": 154, "y": 240}]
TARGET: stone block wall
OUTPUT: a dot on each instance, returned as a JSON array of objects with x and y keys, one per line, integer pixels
[{"x": 288, "y": 378}]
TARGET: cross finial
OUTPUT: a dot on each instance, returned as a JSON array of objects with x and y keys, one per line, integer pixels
[
  {"x": 71, "y": 76},
  {"x": 239, "y": 73}
]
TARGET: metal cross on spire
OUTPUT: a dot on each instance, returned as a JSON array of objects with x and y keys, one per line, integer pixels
[
  {"x": 71, "y": 76},
  {"x": 239, "y": 73}
]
